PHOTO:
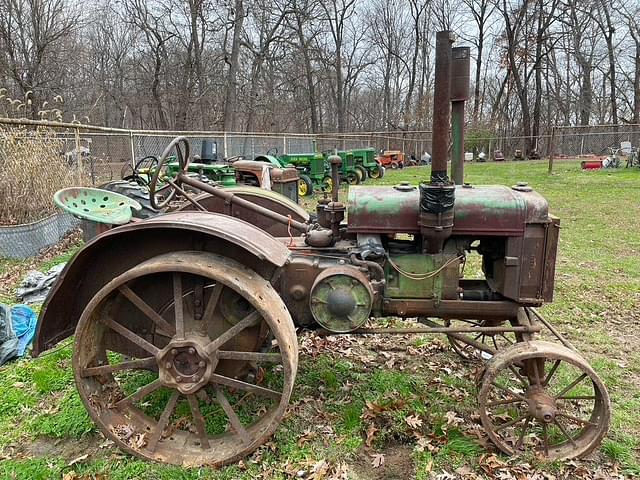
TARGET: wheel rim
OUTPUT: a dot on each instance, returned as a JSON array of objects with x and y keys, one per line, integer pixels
[
  {"x": 542, "y": 397},
  {"x": 328, "y": 183},
  {"x": 352, "y": 179},
  {"x": 302, "y": 188},
  {"x": 374, "y": 172},
  {"x": 200, "y": 407}
]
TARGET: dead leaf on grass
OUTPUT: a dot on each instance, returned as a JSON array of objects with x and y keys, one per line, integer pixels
[
  {"x": 78, "y": 459},
  {"x": 377, "y": 460},
  {"x": 371, "y": 433},
  {"x": 413, "y": 421}
]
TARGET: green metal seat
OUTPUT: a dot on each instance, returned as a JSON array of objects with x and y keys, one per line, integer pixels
[{"x": 95, "y": 204}]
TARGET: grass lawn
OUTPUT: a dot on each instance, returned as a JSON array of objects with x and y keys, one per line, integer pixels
[{"x": 379, "y": 407}]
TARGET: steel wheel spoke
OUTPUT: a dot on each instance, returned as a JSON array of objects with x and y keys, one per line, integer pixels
[
  {"x": 178, "y": 305},
  {"x": 536, "y": 373},
  {"x": 140, "y": 393},
  {"x": 233, "y": 418},
  {"x": 139, "y": 363},
  {"x": 248, "y": 387},
  {"x": 503, "y": 402},
  {"x": 213, "y": 302},
  {"x": 249, "y": 356},
  {"x": 564, "y": 432},
  {"x": 577, "y": 420},
  {"x": 246, "y": 322},
  {"x": 198, "y": 419},
  {"x": 523, "y": 380},
  {"x": 129, "y": 335},
  {"x": 577, "y": 397},
  {"x": 505, "y": 389},
  {"x": 164, "y": 420},
  {"x": 571, "y": 385},
  {"x": 509, "y": 423},
  {"x": 507, "y": 339},
  {"x": 146, "y": 309},
  {"x": 524, "y": 431},
  {"x": 549, "y": 376}
]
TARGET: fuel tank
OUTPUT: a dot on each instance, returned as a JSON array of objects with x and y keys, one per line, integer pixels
[{"x": 487, "y": 210}]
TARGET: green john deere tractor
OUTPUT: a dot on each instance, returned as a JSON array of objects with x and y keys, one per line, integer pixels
[
  {"x": 366, "y": 160},
  {"x": 350, "y": 172},
  {"x": 312, "y": 168}
]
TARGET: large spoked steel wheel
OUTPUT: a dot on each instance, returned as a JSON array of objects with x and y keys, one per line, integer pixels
[
  {"x": 188, "y": 358},
  {"x": 543, "y": 398}
]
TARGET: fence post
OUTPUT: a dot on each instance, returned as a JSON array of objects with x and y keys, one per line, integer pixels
[
  {"x": 133, "y": 150},
  {"x": 224, "y": 145},
  {"x": 551, "y": 149},
  {"x": 284, "y": 144},
  {"x": 78, "y": 154}
]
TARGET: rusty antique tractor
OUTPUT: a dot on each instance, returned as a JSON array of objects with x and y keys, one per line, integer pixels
[{"x": 185, "y": 323}]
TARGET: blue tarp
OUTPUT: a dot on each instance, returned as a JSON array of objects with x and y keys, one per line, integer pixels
[
  {"x": 17, "y": 328},
  {"x": 24, "y": 325}
]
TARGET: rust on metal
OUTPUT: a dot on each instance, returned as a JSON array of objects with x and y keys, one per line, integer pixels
[
  {"x": 188, "y": 363},
  {"x": 441, "y": 106}
]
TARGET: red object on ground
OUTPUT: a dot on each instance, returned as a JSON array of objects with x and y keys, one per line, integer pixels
[{"x": 591, "y": 164}]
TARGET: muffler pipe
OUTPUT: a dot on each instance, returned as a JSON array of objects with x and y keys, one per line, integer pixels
[
  {"x": 460, "y": 66},
  {"x": 437, "y": 197}
]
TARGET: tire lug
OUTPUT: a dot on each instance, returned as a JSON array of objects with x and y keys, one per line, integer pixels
[
  {"x": 178, "y": 378},
  {"x": 167, "y": 365},
  {"x": 201, "y": 363},
  {"x": 192, "y": 350}
]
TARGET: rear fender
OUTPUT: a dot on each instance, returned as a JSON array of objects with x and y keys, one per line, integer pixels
[
  {"x": 120, "y": 249},
  {"x": 265, "y": 198}
]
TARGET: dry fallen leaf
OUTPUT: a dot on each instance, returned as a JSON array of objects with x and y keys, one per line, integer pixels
[
  {"x": 377, "y": 460},
  {"x": 371, "y": 433},
  {"x": 413, "y": 421},
  {"x": 78, "y": 459}
]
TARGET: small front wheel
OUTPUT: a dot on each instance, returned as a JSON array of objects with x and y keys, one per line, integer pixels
[
  {"x": 327, "y": 183},
  {"x": 361, "y": 172},
  {"x": 376, "y": 172},
  {"x": 543, "y": 398},
  {"x": 353, "y": 179},
  {"x": 305, "y": 187}
]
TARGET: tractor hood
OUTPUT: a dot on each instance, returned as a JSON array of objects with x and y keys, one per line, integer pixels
[{"x": 482, "y": 210}]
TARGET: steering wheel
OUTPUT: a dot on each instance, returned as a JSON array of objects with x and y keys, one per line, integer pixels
[
  {"x": 273, "y": 151},
  {"x": 143, "y": 168},
  {"x": 161, "y": 175}
]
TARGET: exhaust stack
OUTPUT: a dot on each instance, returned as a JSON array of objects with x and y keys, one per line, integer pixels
[
  {"x": 460, "y": 64},
  {"x": 437, "y": 197}
]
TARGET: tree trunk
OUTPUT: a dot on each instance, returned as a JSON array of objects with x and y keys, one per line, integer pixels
[{"x": 231, "y": 95}]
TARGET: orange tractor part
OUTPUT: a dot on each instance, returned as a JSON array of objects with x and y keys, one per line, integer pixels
[{"x": 392, "y": 159}]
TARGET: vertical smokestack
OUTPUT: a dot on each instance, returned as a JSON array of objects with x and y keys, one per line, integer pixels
[
  {"x": 460, "y": 64},
  {"x": 441, "y": 108},
  {"x": 437, "y": 199}
]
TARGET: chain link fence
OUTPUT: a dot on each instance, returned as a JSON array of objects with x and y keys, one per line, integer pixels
[
  {"x": 582, "y": 141},
  {"x": 37, "y": 158}
]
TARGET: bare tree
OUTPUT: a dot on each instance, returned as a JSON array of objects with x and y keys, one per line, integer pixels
[{"x": 32, "y": 44}]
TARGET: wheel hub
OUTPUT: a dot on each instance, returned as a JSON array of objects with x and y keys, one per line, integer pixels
[
  {"x": 541, "y": 405},
  {"x": 185, "y": 366}
]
